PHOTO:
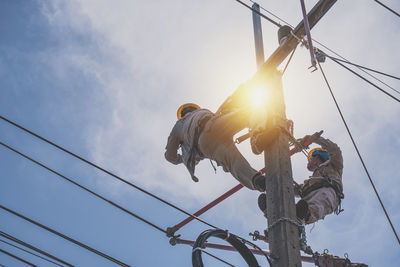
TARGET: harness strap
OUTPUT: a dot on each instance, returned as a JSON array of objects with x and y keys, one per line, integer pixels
[{"x": 326, "y": 182}]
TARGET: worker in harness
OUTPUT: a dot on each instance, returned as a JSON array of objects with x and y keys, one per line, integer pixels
[
  {"x": 322, "y": 192},
  {"x": 202, "y": 134}
]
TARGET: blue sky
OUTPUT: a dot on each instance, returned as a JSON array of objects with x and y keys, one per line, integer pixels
[{"x": 104, "y": 80}]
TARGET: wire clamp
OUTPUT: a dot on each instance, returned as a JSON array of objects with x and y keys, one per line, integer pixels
[{"x": 257, "y": 236}]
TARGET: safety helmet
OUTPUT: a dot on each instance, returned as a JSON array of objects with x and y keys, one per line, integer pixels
[
  {"x": 188, "y": 107},
  {"x": 322, "y": 153}
]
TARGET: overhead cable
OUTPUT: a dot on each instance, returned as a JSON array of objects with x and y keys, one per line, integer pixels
[
  {"x": 330, "y": 50},
  {"x": 18, "y": 241},
  {"x": 259, "y": 13},
  {"x": 217, "y": 258},
  {"x": 388, "y": 8},
  {"x": 83, "y": 187},
  {"x": 358, "y": 153},
  {"x": 272, "y": 14},
  {"x": 356, "y": 65},
  {"x": 18, "y": 258},
  {"x": 106, "y": 171},
  {"x": 65, "y": 237},
  {"x": 366, "y": 72},
  {"x": 27, "y": 251},
  {"x": 368, "y": 81},
  {"x": 102, "y": 169}
]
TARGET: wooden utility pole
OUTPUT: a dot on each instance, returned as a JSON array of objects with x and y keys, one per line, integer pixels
[{"x": 283, "y": 234}]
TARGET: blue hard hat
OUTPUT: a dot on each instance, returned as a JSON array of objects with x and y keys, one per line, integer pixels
[{"x": 324, "y": 155}]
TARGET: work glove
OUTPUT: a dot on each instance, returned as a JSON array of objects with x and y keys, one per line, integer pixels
[
  {"x": 307, "y": 140},
  {"x": 298, "y": 189}
]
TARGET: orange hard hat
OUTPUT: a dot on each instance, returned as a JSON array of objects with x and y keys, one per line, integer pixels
[{"x": 187, "y": 105}]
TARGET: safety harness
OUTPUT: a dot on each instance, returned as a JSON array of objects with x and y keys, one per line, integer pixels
[{"x": 326, "y": 182}]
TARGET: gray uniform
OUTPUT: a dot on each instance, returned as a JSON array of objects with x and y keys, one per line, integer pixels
[
  {"x": 202, "y": 134},
  {"x": 324, "y": 201}
]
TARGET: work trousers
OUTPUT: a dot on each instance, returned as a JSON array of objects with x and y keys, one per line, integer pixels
[
  {"x": 321, "y": 202},
  {"x": 216, "y": 143}
]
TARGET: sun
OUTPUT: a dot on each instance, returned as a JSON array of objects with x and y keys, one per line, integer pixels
[{"x": 258, "y": 97}]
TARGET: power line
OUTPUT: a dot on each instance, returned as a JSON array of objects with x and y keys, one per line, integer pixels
[
  {"x": 376, "y": 71},
  {"x": 88, "y": 190},
  {"x": 102, "y": 169},
  {"x": 388, "y": 8},
  {"x": 358, "y": 153},
  {"x": 217, "y": 258},
  {"x": 107, "y": 172},
  {"x": 65, "y": 237},
  {"x": 345, "y": 59},
  {"x": 272, "y": 14},
  {"x": 259, "y": 13},
  {"x": 16, "y": 240},
  {"x": 330, "y": 50},
  {"x": 18, "y": 258},
  {"x": 368, "y": 81},
  {"x": 27, "y": 251},
  {"x": 84, "y": 188}
]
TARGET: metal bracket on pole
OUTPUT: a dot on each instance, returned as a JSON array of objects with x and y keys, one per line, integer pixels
[
  {"x": 258, "y": 40},
  {"x": 309, "y": 39}
]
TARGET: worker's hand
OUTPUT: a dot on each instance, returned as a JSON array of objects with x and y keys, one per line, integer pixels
[
  {"x": 316, "y": 136},
  {"x": 309, "y": 139},
  {"x": 297, "y": 189}
]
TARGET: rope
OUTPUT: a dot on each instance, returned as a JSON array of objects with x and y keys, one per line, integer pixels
[
  {"x": 355, "y": 73},
  {"x": 65, "y": 237},
  {"x": 388, "y": 8},
  {"x": 358, "y": 153},
  {"x": 106, "y": 171},
  {"x": 16, "y": 240},
  {"x": 36, "y": 255},
  {"x": 83, "y": 187},
  {"x": 17, "y": 258}
]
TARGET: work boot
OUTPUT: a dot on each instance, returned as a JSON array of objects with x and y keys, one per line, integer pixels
[
  {"x": 262, "y": 203},
  {"x": 258, "y": 181},
  {"x": 302, "y": 210}
]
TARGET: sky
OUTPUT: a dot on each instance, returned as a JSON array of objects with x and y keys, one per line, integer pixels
[{"x": 104, "y": 80}]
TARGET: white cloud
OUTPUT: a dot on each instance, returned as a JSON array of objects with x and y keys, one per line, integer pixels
[{"x": 157, "y": 55}]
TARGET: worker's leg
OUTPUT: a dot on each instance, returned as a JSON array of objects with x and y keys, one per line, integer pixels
[
  {"x": 227, "y": 155},
  {"x": 321, "y": 202},
  {"x": 223, "y": 128}
]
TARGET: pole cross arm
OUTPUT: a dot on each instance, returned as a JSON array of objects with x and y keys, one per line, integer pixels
[{"x": 291, "y": 42}]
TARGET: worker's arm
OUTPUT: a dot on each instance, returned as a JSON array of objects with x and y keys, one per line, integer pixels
[
  {"x": 335, "y": 154},
  {"x": 171, "y": 153}
]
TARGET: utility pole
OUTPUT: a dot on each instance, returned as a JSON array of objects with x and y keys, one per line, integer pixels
[{"x": 283, "y": 234}]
